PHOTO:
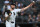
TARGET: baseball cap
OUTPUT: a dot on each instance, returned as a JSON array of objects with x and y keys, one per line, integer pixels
[
  {"x": 13, "y": 4},
  {"x": 6, "y": 1}
]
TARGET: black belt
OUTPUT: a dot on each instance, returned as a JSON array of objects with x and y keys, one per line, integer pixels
[{"x": 12, "y": 22}]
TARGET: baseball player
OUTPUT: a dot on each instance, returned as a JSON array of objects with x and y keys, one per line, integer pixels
[{"x": 10, "y": 18}]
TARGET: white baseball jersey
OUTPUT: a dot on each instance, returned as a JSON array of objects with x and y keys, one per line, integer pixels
[
  {"x": 13, "y": 15},
  {"x": 12, "y": 18}
]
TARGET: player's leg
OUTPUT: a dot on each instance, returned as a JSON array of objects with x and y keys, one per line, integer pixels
[
  {"x": 8, "y": 24},
  {"x": 12, "y": 24}
]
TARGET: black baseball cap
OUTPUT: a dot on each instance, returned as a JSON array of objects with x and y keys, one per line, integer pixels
[{"x": 13, "y": 4}]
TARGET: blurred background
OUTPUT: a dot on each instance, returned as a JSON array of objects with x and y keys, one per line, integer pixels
[{"x": 29, "y": 17}]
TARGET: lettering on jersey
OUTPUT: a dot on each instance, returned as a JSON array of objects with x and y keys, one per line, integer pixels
[{"x": 14, "y": 13}]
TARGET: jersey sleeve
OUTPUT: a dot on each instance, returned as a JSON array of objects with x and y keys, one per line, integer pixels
[
  {"x": 6, "y": 14},
  {"x": 18, "y": 10}
]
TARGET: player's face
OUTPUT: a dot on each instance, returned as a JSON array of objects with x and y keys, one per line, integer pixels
[{"x": 12, "y": 6}]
